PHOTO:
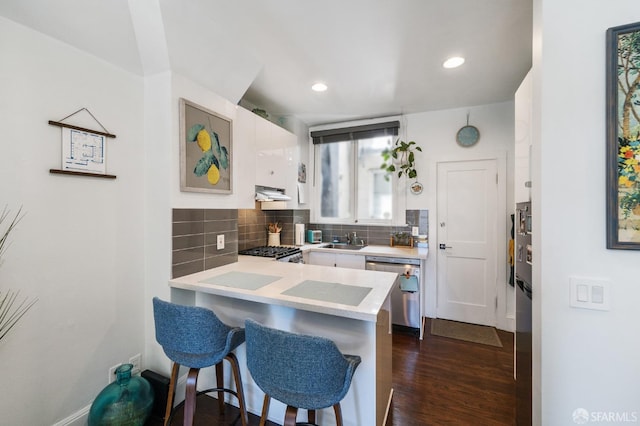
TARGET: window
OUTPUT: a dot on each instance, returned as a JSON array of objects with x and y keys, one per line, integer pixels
[{"x": 350, "y": 185}]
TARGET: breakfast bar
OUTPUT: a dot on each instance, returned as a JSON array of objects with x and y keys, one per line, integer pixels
[{"x": 349, "y": 306}]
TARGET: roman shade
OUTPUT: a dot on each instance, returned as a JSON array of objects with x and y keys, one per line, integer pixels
[{"x": 366, "y": 131}]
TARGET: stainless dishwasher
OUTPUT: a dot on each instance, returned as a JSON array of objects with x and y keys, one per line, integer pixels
[{"x": 405, "y": 296}]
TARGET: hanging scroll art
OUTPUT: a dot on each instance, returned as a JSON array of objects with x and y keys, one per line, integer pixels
[{"x": 84, "y": 151}]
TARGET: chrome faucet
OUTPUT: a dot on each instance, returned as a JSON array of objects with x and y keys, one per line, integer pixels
[
  {"x": 352, "y": 239},
  {"x": 351, "y": 236}
]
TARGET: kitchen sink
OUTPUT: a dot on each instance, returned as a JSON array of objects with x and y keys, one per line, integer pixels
[{"x": 343, "y": 246}]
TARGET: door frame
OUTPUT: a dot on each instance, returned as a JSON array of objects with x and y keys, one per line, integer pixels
[{"x": 505, "y": 310}]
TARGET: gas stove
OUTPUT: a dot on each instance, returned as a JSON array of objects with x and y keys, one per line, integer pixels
[{"x": 280, "y": 253}]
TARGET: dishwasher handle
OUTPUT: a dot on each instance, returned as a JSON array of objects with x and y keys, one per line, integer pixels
[{"x": 392, "y": 260}]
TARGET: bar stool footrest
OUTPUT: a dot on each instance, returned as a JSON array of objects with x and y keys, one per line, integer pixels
[{"x": 231, "y": 391}]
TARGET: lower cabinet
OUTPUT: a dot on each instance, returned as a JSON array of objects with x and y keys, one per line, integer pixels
[{"x": 340, "y": 260}]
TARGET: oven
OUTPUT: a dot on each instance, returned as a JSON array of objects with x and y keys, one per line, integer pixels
[{"x": 279, "y": 253}]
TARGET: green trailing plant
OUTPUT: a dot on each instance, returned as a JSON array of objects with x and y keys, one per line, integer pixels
[
  {"x": 401, "y": 159},
  {"x": 12, "y": 306}
]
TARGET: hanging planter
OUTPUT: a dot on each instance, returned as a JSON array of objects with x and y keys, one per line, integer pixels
[{"x": 401, "y": 159}]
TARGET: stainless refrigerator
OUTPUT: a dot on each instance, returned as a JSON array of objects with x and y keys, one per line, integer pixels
[{"x": 523, "y": 262}]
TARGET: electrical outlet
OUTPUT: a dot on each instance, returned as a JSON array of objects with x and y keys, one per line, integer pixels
[
  {"x": 221, "y": 242},
  {"x": 136, "y": 361},
  {"x": 112, "y": 373}
]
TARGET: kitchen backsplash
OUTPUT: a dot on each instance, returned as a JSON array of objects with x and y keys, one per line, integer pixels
[
  {"x": 195, "y": 231},
  {"x": 252, "y": 226},
  {"x": 377, "y": 235},
  {"x": 194, "y": 239}
]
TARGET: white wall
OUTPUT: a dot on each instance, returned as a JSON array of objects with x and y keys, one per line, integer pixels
[
  {"x": 435, "y": 132},
  {"x": 582, "y": 358},
  {"x": 162, "y": 189},
  {"x": 243, "y": 155},
  {"x": 79, "y": 248},
  {"x": 162, "y": 126},
  {"x": 94, "y": 251}
]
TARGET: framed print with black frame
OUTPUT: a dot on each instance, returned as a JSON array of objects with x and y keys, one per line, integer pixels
[
  {"x": 205, "y": 150},
  {"x": 623, "y": 137}
]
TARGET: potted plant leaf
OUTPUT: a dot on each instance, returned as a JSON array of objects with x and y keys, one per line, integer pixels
[
  {"x": 12, "y": 308},
  {"x": 401, "y": 159}
]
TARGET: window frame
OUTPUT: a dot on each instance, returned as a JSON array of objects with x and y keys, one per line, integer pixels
[{"x": 398, "y": 190}]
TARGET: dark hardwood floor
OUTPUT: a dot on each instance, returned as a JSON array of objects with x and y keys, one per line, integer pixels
[
  {"x": 442, "y": 381},
  {"x": 436, "y": 381}
]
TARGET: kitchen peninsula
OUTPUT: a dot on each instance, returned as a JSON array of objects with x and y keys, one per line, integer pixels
[{"x": 349, "y": 306}]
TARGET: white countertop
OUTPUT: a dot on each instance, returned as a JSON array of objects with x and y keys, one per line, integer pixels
[
  {"x": 373, "y": 250},
  {"x": 289, "y": 276}
]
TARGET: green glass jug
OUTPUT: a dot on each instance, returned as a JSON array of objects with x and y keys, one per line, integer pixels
[{"x": 126, "y": 402}]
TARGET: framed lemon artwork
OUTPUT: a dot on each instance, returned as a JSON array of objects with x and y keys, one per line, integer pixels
[{"x": 205, "y": 150}]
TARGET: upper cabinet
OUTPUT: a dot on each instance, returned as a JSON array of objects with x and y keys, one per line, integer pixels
[
  {"x": 244, "y": 150},
  {"x": 523, "y": 140},
  {"x": 277, "y": 156}
]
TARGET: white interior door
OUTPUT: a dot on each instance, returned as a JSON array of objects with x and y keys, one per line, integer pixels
[{"x": 467, "y": 234}]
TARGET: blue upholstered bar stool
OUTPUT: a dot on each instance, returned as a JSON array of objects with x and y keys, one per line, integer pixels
[
  {"x": 300, "y": 371},
  {"x": 194, "y": 337}
]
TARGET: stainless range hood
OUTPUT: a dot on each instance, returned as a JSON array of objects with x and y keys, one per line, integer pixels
[{"x": 271, "y": 198}]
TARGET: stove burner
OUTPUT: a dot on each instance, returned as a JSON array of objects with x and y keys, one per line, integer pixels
[{"x": 270, "y": 251}]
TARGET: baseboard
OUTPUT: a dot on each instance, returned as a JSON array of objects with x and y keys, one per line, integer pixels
[
  {"x": 388, "y": 410},
  {"x": 79, "y": 418}
]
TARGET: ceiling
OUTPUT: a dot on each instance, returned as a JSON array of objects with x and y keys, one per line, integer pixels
[{"x": 378, "y": 57}]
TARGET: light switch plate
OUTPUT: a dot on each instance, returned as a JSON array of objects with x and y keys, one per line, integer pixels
[
  {"x": 590, "y": 293},
  {"x": 583, "y": 293},
  {"x": 220, "y": 245}
]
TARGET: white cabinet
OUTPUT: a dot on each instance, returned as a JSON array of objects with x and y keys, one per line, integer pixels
[
  {"x": 523, "y": 140},
  {"x": 339, "y": 260},
  {"x": 244, "y": 153},
  {"x": 276, "y": 157}
]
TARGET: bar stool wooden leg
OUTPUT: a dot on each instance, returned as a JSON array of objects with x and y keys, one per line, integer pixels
[
  {"x": 265, "y": 410},
  {"x": 338, "y": 411},
  {"x": 235, "y": 368},
  {"x": 190, "y": 396},
  {"x": 311, "y": 416},
  {"x": 220, "y": 385},
  {"x": 172, "y": 393},
  {"x": 290, "y": 416}
]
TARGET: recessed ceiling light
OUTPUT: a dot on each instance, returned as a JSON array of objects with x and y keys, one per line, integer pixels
[
  {"x": 319, "y": 87},
  {"x": 453, "y": 62}
]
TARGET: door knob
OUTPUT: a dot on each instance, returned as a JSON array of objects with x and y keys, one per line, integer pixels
[
  {"x": 444, "y": 246},
  {"x": 442, "y": 224}
]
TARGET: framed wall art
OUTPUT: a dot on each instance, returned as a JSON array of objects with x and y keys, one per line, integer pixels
[
  {"x": 623, "y": 137},
  {"x": 84, "y": 151},
  {"x": 205, "y": 150}
]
